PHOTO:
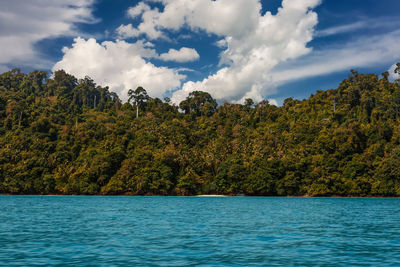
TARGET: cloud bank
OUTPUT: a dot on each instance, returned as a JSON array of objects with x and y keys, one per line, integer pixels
[
  {"x": 254, "y": 48},
  {"x": 253, "y": 43},
  {"x": 120, "y": 65},
  {"x": 259, "y": 51}
]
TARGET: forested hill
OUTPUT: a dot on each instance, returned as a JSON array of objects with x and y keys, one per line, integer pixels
[{"x": 68, "y": 136}]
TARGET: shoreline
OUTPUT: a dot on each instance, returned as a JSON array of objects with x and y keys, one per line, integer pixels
[{"x": 199, "y": 196}]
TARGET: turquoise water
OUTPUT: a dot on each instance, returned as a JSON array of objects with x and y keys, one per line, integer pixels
[{"x": 181, "y": 231}]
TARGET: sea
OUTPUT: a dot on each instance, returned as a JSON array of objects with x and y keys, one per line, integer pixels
[{"x": 198, "y": 231}]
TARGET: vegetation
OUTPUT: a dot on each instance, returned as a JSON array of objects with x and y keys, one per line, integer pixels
[{"x": 61, "y": 135}]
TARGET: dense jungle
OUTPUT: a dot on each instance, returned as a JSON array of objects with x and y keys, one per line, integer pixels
[{"x": 63, "y": 135}]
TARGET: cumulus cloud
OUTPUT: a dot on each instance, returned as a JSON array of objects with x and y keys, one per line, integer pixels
[
  {"x": 221, "y": 17},
  {"x": 120, "y": 65},
  {"x": 254, "y": 42},
  {"x": 127, "y": 31},
  {"x": 254, "y": 48},
  {"x": 24, "y": 23},
  {"x": 182, "y": 55},
  {"x": 137, "y": 10}
]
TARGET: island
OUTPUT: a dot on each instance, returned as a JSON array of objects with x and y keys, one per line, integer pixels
[{"x": 63, "y": 135}]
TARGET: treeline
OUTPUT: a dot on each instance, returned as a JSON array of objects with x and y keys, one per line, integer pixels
[{"x": 62, "y": 135}]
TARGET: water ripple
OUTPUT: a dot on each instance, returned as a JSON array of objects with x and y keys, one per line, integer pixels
[{"x": 178, "y": 231}]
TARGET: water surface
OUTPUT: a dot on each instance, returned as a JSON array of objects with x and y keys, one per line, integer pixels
[{"x": 181, "y": 231}]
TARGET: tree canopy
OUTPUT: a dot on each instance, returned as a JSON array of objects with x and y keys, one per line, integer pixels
[
  {"x": 64, "y": 135},
  {"x": 139, "y": 96}
]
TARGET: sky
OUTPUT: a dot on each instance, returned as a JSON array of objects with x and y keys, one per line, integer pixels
[{"x": 233, "y": 49}]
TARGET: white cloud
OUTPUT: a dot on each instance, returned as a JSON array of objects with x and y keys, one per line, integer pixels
[
  {"x": 254, "y": 48},
  {"x": 149, "y": 25},
  {"x": 272, "y": 101},
  {"x": 149, "y": 44},
  {"x": 137, "y": 10},
  {"x": 268, "y": 50},
  {"x": 186, "y": 70},
  {"x": 262, "y": 51},
  {"x": 24, "y": 23},
  {"x": 182, "y": 55},
  {"x": 342, "y": 28},
  {"x": 221, "y": 17},
  {"x": 254, "y": 42},
  {"x": 120, "y": 65},
  {"x": 127, "y": 31},
  {"x": 222, "y": 43},
  {"x": 362, "y": 52},
  {"x": 361, "y": 24}
]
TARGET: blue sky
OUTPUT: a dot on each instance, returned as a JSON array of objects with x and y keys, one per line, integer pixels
[{"x": 232, "y": 49}]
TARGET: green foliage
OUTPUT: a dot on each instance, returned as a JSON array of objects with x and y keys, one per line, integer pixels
[
  {"x": 62, "y": 135},
  {"x": 199, "y": 103},
  {"x": 139, "y": 96}
]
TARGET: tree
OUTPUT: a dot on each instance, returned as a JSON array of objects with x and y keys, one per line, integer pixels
[
  {"x": 385, "y": 76},
  {"x": 199, "y": 102},
  {"x": 139, "y": 96},
  {"x": 167, "y": 100},
  {"x": 248, "y": 102}
]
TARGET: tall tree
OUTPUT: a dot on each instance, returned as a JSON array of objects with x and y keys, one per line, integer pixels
[{"x": 139, "y": 96}]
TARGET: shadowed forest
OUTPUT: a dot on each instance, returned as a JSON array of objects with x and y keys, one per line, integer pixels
[{"x": 62, "y": 135}]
